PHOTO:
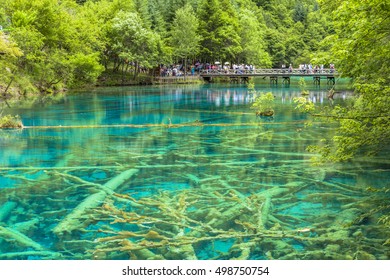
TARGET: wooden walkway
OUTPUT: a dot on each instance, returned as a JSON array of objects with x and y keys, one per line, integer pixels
[
  {"x": 177, "y": 79},
  {"x": 273, "y": 74}
]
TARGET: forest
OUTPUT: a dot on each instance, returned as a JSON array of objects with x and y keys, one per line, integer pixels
[{"x": 48, "y": 46}]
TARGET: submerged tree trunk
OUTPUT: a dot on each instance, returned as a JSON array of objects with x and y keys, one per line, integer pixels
[{"x": 73, "y": 220}]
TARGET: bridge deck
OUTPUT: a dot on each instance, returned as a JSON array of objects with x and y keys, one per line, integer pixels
[{"x": 268, "y": 73}]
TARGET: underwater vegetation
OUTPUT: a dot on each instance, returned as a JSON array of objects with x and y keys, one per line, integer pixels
[{"x": 216, "y": 195}]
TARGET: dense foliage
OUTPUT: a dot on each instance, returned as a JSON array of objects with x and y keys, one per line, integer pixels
[
  {"x": 360, "y": 47},
  {"x": 48, "y": 45},
  {"x": 9, "y": 121}
]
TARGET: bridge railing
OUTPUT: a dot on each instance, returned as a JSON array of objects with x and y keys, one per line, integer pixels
[{"x": 267, "y": 72}]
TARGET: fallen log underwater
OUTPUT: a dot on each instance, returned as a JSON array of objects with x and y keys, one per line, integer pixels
[
  {"x": 72, "y": 220},
  {"x": 170, "y": 125}
]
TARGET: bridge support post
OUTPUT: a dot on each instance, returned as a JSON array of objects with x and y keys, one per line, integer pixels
[
  {"x": 244, "y": 80},
  {"x": 273, "y": 80},
  {"x": 331, "y": 80},
  {"x": 286, "y": 80},
  {"x": 317, "y": 80},
  {"x": 234, "y": 80},
  {"x": 207, "y": 79}
]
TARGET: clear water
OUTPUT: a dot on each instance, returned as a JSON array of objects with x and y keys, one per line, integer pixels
[{"x": 208, "y": 180}]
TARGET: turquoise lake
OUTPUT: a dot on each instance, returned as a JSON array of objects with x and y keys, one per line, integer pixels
[{"x": 184, "y": 172}]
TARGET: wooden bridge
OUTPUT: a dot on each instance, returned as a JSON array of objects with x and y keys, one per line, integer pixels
[{"x": 237, "y": 76}]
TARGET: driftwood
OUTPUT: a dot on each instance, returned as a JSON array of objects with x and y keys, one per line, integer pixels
[
  {"x": 72, "y": 221},
  {"x": 170, "y": 125},
  {"x": 17, "y": 255},
  {"x": 67, "y": 168},
  {"x": 6, "y": 209},
  {"x": 234, "y": 199},
  {"x": 18, "y": 237},
  {"x": 265, "y": 209}
]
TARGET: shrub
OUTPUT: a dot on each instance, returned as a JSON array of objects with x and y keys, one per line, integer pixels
[
  {"x": 9, "y": 121},
  {"x": 263, "y": 104}
]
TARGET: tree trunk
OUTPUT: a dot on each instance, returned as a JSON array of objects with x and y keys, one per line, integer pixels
[
  {"x": 73, "y": 220},
  {"x": 8, "y": 86},
  {"x": 136, "y": 70},
  {"x": 185, "y": 67}
]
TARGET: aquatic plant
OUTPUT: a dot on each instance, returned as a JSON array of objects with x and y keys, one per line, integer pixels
[
  {"x": 303, "y": 86},
  {"x": 9, "y": 121},
  {"x": 263, "y": 104},
  {"x": 251, "y": 86},
  {"x": 304, "y": 105}
]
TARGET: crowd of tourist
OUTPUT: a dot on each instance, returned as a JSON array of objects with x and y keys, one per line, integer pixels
[
  {"x": 309, "y": 68},
  {"x": 178, "y": 70}
]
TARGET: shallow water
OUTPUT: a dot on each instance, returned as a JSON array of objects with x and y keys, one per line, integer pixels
[{"x": 183, "y": 173}]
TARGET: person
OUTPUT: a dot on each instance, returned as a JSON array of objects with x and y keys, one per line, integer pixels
[
  {"x": 331, "y": 68},
  {"x": 290, "y": 68}
]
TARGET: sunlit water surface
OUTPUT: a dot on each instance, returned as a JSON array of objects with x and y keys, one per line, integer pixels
[{"x": 183, "y": 173}]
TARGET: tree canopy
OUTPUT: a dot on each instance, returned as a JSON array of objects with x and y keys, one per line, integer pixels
[
  {"x": 69, "y": 43},
  {"x": 184, "y": 33},
  {"x": 360, "y": 48}
]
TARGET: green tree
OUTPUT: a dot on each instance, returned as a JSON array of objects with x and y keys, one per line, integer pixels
[
  {"x": 100, "y": 16},
  {"x": 209, "y": 12},
  {"x": 219, "y": 31},
  {"x": 229, "y": 32},
  {"x": 252, "y": 40},
  {"x": 184, "y": 34},
  {"x": 158, "y": 23},
  {"x": 263, "y": 3},
  {"x": 135, "y": 43},
  {"x": 276, "y": 47},
  {"x": 142, "y": 8},
  {"x": 361, "y": 51},
  {"x": 9, "y": 54},
  {"x": 300, "y": 12},
  {"x": 54, "y": 41},
  {"x": 170, "y": 8}
]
